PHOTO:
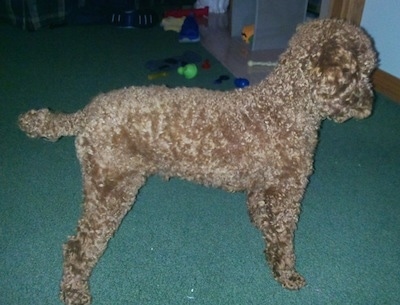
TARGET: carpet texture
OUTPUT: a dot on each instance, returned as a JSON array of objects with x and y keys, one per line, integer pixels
[{"x": 183, "y": 243}]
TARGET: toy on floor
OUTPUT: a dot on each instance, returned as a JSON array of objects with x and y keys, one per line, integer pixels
[
  {"x": 171, "y": 63},
  {"x": 200, "y": 12},
  {"x": 252, "y": 63},
  {"x": 172, "y": 23},
  {"x": 206, "y": 64},
  {"x": 241, "y": 82},
  {"x": 190, "y": 30},
  {"x": 189, "y": 71},
  {"x": 156, "y": 75},
  {"x": 247, "y": 33},
  {"x": 221, "y": 78}
]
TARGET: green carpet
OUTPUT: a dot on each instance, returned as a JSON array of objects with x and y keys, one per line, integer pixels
[{"x": 183, "y": 243}]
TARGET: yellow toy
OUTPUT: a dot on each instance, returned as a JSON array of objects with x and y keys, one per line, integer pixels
[{"x": 248, "y": 33}]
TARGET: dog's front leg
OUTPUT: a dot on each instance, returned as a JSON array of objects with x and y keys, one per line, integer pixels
[{"x": 276, "y": 216}]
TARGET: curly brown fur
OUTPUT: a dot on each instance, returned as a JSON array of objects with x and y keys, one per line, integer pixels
[{"x": 260, "y": 140}]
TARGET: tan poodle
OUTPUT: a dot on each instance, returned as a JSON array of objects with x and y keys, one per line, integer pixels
[{"x": 259, "y": 140}]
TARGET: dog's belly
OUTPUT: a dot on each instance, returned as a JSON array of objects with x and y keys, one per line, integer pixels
[
  {"x": 228, "y": 179},
  {"x": 228, "y": 171}
]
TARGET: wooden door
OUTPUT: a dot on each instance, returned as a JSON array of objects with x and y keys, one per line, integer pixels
[{"x": 350, "y": 10}]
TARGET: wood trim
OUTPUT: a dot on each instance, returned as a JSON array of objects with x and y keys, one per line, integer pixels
[
  {"x": 350, "y": 10},
  {"x": 387, "y": 84}
]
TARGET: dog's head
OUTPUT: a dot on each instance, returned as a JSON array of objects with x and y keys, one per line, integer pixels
[{"x": 340, "y": 61}]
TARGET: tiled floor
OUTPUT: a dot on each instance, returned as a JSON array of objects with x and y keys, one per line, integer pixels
[{"x": 232, "y": 52}]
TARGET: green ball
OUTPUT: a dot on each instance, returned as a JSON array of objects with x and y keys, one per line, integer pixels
[{"x": 189, "y": 71}]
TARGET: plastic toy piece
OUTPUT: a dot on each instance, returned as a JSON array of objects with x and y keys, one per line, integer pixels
[
  {"x": 172, "y": 24},
  {"x": 188, "y": 71},
  {"x": 199, "y": 12},
  {"x": 241, "y": 82},
  {"x": 248, "y": 33},
  {"x": 206, "y": 64},
  {"x": 251, "y": 63},
  {"x": 172, "y": 63},
  {"x": 190, "y": 30},
  {"x": 221, "y": 79},
  {"x": 156, "y": 75}
]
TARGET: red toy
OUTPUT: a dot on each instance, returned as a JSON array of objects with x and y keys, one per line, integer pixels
[
  {"x": 198, "y": 12},
  {"x": 206, "y": 64}
]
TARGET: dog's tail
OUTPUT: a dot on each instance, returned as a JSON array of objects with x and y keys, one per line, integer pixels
[{"x": 45, "y": 124}]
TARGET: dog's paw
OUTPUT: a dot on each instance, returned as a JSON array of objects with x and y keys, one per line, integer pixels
[{"x": 290, "y": 279}]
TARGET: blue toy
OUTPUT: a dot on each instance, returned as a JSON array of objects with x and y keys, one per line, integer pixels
[
  {"x": 241, "y": 82},
  {"x": 190, "y": 30},
  {"x": 220, "y": 79}
]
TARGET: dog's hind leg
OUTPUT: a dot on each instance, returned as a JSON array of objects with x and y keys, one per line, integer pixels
[
  {"x": 276, "y": 217},
  {"x": 108, "y": 196}
]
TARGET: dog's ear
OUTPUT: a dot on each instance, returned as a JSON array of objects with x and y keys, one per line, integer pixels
[
  {"x": 334, "y": 69},
  {"x": 340, "y": 87}
]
